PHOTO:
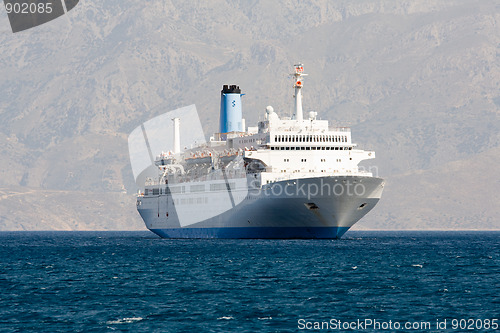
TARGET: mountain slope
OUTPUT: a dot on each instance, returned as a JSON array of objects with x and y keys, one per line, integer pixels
[{"x": 418, "y": 81}]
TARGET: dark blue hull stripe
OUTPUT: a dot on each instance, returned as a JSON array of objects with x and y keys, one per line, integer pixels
[{"x": 253, "y": 232}]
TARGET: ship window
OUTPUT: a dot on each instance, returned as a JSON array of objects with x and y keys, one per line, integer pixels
[
  {"x": 156, "y": 191},
  {"x": 218, "y": 187},
  {"x": 197, "y": 188}
]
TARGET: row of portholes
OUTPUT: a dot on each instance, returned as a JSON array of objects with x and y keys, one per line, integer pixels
[
  {"x": 311, "y": 148},
  {"x": 310, "y": 138}
]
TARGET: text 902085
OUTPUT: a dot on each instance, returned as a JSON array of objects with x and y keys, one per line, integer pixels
[{"x": 28, "y": 8}]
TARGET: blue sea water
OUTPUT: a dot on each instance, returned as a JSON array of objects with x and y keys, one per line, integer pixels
[{"x": 136, "y": 282}]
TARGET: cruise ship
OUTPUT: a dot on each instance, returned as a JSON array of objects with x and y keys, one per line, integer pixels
[{"x": 287, "y": 177}]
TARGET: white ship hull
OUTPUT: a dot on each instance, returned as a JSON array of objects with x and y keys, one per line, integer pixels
[{"x": 321, "y": 207}]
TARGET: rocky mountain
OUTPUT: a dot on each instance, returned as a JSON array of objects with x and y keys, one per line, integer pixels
[{"x": 418, "y": 82}]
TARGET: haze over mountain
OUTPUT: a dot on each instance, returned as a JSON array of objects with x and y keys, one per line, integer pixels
[{"x": 418, "y": 82}]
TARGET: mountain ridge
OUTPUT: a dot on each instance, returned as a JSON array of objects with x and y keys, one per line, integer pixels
[{"x": 418, "y": 82}]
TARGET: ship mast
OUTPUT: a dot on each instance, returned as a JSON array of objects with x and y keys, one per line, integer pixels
[
  {"x": 177, "y": 136},
  {"x": 299, "y": 73}
]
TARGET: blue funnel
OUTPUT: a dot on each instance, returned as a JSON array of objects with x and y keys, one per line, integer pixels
[{"x": 230, "y": 109}]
